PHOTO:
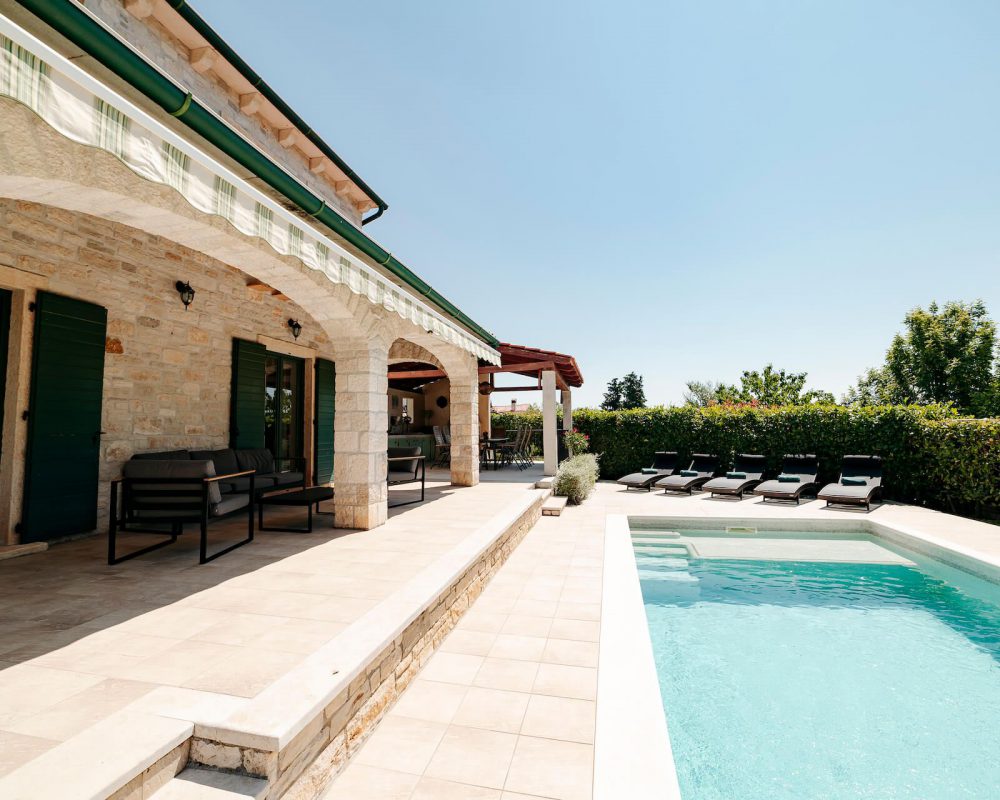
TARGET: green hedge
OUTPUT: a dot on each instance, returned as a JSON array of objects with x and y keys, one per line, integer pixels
[{"x": 931, "y": 456}]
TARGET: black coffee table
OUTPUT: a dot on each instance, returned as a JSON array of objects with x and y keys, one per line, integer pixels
[{"x": 306, "y": 498}]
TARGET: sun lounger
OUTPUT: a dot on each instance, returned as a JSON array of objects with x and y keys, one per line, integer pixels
[
  {"x": 664, "y": 464},
  {"x": 860, "y": 481},
  {"x": 747, "y": 472},
  {"x": 797, "y": 477},
  {"x": 703, "y": 468}
]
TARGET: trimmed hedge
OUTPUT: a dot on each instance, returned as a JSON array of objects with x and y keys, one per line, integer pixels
[{"x": 931, "y": 456}]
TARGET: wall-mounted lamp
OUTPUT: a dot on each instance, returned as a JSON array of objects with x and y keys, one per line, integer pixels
[
  {"x": 296, "y": 327},
  {"x": 186, "y": 292}
]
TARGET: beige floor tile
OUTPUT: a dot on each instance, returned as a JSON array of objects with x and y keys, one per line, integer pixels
[
  {"x": 476, "y": 757},
  {"x": 16, "y": 749},
  {"x": 519, "y": 796},
  {"x": 452, "y": 668},
  {"x": 361, "y": 782},
  {"x": 27, "y": 689},
  {"x": 432, "y": 701},
  {"x": 576, "y": 630},
  {"x": 434, "y": 789},
  {"x": 244, "y": 674},
  {"x": 473, "y": 643},
  {"x": 492, "y": 709},
  {"x": 560, "y": 680},
  {"x": 550, "y": 768},
  {"x": 560, "y": 718},
  {"x": 242, "y": 629},
  {"x": 505, "y": 673},
  {"x": 585, "y": 611},
  {"x": 298, "y": 636},
  {"x": 535, "y": 608},
  {"x": 522, "y": 648},
  {"x": 570, "y": 653},
  {"x": 178, "y": 664},
  {"x": 483, "y": 621},
  {"x": 401, "y": 744},
  {"x": 70, "y": 716},
  {"x": 524, "y": 625}
]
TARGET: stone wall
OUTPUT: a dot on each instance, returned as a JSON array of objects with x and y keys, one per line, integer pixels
[{"x": 167, "y": 370}]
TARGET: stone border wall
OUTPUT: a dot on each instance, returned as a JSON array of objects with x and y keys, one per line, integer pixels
[{"x": 302, "y": 769}]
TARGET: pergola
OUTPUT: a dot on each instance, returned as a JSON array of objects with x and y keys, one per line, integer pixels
[{"x": 551, "y": 371}]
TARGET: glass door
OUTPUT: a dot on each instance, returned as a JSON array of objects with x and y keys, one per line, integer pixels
[{"x": 283, "y": 407}]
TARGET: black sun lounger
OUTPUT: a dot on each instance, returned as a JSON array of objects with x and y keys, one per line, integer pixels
[
  {"x": 703, "y": 468},
  {"x": 664, "y": 464},
  {"x": 747, "y": 472},
  {"x": 797, "y": 477},
  {"x": 860, "y": 481}
]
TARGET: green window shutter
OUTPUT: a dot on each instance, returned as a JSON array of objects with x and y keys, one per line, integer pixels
[
  {"x": 326, "y": 393},
  {"x": 246, "y": 423},
  {"x": 64, "y": 419}
]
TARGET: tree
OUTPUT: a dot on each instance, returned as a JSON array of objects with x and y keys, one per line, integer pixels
[
  {"x": 613, "y": 396},
  {"x": 702, "y": 393},
  {"x": 771, "y": 387},
  {"x": 945, "y": 355},
  {"x": 633, "y": 393}
]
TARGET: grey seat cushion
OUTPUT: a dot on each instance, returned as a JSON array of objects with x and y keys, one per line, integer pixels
[
  {"x": 242, "y": 485},
  {"x": 286, "y": 478},
  {"x": 230, "y": 503},
  {"x": 171, "y": 469},
  {"x": 258, "y": 458},
  {"x": 224, "y": 460},
  {"x": 165, "y": 455}
]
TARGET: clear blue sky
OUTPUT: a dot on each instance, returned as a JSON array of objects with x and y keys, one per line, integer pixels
[{"x": 683, "y": 189}]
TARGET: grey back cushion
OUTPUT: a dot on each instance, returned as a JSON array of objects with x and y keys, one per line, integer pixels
[
  {"x": 258, "y": 458},
  {"x": 166, "y": 455},
  {"x": 403, "y": 466},
  {"x": 224, "y": 460},
  {"x": 173, "y": 468}
]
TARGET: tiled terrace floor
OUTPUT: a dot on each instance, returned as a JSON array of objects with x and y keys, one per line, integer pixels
[
  {"x": 80, "y": 640},
  {"x": 506, "y": 709}
]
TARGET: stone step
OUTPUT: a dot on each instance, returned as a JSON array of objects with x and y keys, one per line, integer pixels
[
  {"x": 544, "y": 483},
  {"x": 554, "y": 506},
  {"x": 206, "y": 784}
]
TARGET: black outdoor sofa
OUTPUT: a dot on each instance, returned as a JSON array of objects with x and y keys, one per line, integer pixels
[
  {"x": 170, "y": 488},
  {"x": 860, "y": 483},
  {"x": 747, "y": 472},
  {"x": 797, "y": 477},
  {"x": 702, "y": 469},
  {"x": 664, "y": 465}
]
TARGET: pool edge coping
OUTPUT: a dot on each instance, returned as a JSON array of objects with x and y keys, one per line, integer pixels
[{"x": 632, "y": 752}]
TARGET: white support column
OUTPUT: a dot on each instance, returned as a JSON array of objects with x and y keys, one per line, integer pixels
[
  {"x": 550, "y": 441},
  {"x": 360, "y": 438},
  {"x": 567, "y": 404},
  {"x": 465, "y": 425}
]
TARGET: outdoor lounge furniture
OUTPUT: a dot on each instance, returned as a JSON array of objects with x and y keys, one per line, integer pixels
[
  {"x": 228, "y": 461},
  {"x": 303, "y": 498},
  {"x": 747, "y": 472},
  {"x": 860, "y": 481},
  {"x": 406, "y": 465},
  {"x": 797, "y": 477},
  {"x": 703, "y": 468},
  {"x": 664, "y": 464},
  {"x": 171, "y": 492},
  {"x": 443, "y": 448}
]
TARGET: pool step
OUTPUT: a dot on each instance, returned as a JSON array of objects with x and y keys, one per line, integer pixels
[
  {"x": 205, "y": 784},
  {"x": 554, "y": 506}
]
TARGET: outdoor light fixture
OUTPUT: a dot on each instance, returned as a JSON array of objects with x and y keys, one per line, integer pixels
[
  {"x": 186, "y": 292},
  {"x": 295, "y": 326}
]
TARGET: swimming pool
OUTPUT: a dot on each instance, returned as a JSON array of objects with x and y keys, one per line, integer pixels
[{"x": 823, "y": 678}]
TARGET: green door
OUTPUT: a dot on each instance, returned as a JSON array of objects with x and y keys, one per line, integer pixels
[
  {"x": 326, "y": 393},
  {"x": 5, "y": 297},
  {"x": 64, "y": 418},
  {"x": 246, "y": 425}
]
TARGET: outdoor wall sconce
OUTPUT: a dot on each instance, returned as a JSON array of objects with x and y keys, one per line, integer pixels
[
  {"x": 295, "y": 326},
  {"x": 186, "y": 292}
]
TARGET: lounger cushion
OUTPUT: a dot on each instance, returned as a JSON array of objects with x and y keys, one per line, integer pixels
[
  {"x": 689, "y": 473},
  {"x": 728, "y": 485},
  {"x": 651, "y": 471},
  {"x": 854, "y": 482},
  {"x": 643, "y": 478},
  {"x": 783, "y": 478},
  {"x": 736, "y": 474},
  {"x": 837, "y": 492}
]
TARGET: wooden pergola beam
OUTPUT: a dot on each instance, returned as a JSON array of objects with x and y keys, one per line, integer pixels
[
  {"x": 417, "y": 373},
  {"x": 530, "y": 366}
]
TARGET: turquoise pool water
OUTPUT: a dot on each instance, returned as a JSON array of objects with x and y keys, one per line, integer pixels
[{"x": 826, "y": 680}]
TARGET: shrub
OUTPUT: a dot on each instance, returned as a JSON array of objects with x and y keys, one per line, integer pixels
[
  {"x": 576, "y": 442},
  {"x": 931, "y": 456},
  {"x": 576, "y": 477}
]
